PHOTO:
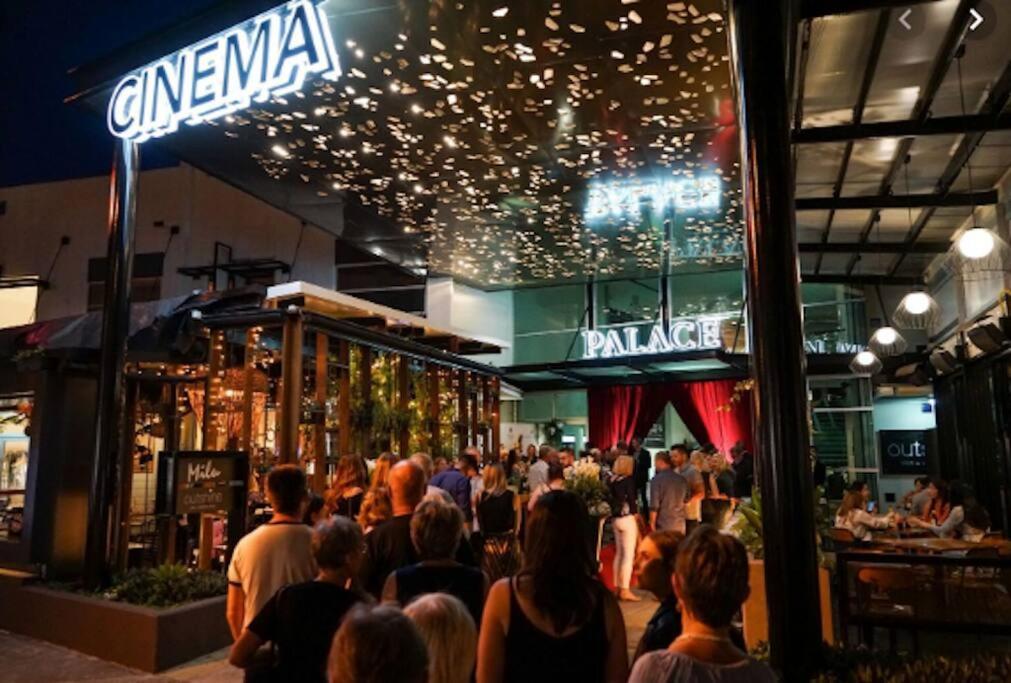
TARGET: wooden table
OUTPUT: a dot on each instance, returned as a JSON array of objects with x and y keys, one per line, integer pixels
[{"x": 940, "y": 545}]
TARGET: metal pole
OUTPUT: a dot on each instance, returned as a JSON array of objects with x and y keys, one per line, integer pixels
[
  {"x": 115, "y": 330},
  {"x": 761, "y": 34}
]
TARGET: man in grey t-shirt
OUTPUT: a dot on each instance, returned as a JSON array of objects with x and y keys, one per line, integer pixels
[
  {"x": 667, "y": 494},
  {"x": 696, "y": 489}
]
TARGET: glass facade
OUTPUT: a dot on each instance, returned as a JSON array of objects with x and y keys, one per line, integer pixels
[{"x": 842, "y": 426}]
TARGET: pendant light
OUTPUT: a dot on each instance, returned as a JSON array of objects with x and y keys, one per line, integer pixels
[
  {"x": 979, "y": 249},
  {"x": 865, "y": 363},
  {"x": 917, "y": 310},
  {"x": 886, "y": 341}
]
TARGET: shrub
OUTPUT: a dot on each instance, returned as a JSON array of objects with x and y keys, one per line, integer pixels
[{"x": 165, "y": 586}]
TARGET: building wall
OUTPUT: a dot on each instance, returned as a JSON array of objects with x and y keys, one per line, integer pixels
[
  {"x": 484, "y": 314},
  {"x": 900, "y": 413},
  {"x": 205, "y": 209}
]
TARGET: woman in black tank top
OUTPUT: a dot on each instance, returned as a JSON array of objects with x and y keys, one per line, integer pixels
[{"x": 554, "y": 621}]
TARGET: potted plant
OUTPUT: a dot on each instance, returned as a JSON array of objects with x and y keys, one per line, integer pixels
[{"x": 746, "y": 525}]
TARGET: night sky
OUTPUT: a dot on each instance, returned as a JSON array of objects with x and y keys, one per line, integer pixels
[{"x": 41, "y": 138}]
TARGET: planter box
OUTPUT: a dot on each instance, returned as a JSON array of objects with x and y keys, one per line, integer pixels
[
  {"x": 756, "y": 615},
  {"x": 143, "y": 638}
]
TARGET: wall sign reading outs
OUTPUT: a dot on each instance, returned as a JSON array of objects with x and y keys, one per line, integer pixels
[
  {"x": 684, "y": 334},
  {"x": 268, "y": 55}
]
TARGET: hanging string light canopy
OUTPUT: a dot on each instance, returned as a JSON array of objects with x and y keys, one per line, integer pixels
[{"x": 865, "y": 363}]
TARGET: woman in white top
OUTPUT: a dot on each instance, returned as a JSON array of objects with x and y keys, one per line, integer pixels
[{"x": 852, "y": 515}]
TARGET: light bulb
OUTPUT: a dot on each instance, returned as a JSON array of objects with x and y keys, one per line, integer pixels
[
  {"x": 886, "y": 335},
  {"x": 916, "y": 303},
  {"x": 976, "y": 243},
  {"x": 866, "y": 358}
]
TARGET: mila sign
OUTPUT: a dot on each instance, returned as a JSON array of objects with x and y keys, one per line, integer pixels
[
  {"x": 684, "y": 334},
  {"x": 627, "y": 199},
  {"x": 268, "y": 55}
]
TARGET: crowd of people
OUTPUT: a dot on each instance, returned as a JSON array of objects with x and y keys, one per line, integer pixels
[
  {"x": 942, "y": 509},
  {"x": 419, "y": 569}
]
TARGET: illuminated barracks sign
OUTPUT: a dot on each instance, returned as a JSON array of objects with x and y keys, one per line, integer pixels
[
  {"x": 626, "y": 199},
  {"x": 684, "y": 334},
  {"x": 270, "y": 54}
]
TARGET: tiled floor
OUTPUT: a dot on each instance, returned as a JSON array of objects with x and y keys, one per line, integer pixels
[{"x": 25, "y": 660}]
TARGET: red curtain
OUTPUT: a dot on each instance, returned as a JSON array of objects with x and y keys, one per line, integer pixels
[{"x": 618, "y": 413}]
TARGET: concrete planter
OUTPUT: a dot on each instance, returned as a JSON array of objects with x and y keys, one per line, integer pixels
[
  {"x": 143, "y": 638},
  {"x": 756, "y": 615}
]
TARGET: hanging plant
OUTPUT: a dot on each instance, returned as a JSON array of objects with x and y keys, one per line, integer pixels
[
  {"x": 740, "y": 389},
  {"x": 553, "y": 431}
]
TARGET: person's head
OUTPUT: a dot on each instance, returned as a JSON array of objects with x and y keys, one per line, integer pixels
[
  {"x": 921, "y": 484},
  {"x": 853, "y": 500},
  {"x": 596, "y": 455},
  {"x": 351, "y": 474},
  {"x": 439, "y": 464},
  {"x": 621, "y": 447},
  {"x": 556, "y": 469},
  {"x": 558, "y": 559},
  {"x": 711, "y": 578},
  {"x": 494, "y": 478},
  {"x": 424, "y": 461},
  {"x": 679, "y": 455},
  {"x": 467, "y": 463},
  {"x": 436, "y": 529},
  {"x": 662, "y": 461},
  {"x": 624, "y": 465},
  {"x": 381, "y": 472},
  {"x": 376, "y": 507},
  {"x": 286, "y": 490},
  {"x": 315, "y": 510},
  {"x": 655, "y": 562},
  {"x": 937, "y": 490},
  {"x": 449, "y": 633},
  {"x": 545, "y": 451},
  {"x": 337, "y": 544},
  {"x": 862, "y": 488},
  {"x": 407, "y": 487},
  {"x": 531, "y": 451},
  {"x": 717, "y": 463},
  {"x": 635, "y": 444},
  {"x": 363, "y": 644},
  {"x": 737, "y": 451},
  {"x": 699, "y": 460}
]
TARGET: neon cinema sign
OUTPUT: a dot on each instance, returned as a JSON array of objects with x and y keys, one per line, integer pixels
[
  {"x": 268, "y": 55},
  {"x": 626, "y": 199},
  {"x": 684, "y": 334}
]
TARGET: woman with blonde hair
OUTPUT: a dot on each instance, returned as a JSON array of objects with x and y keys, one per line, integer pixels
[
  {"x": 348, "y": 488},
  {"x": 498, "y": 513},
  {"x": 624, "y": 508},
  {"x": 381, "y": 471},
  {"x": 377, "y": 507},
  {"x": 449, "y": 634},
  {"x": 853, "y": 515}
]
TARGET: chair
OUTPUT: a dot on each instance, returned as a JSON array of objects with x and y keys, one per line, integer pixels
[{"x": 842, "y": 538}]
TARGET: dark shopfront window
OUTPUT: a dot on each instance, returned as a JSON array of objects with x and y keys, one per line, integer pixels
[
  {"x": 15, "y": 416},
  {"x": 145, "y": 284}
]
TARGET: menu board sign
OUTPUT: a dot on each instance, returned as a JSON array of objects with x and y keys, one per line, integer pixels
[
  {"x": 904, "y": 451},
  {"x": 192, "y": 482}
]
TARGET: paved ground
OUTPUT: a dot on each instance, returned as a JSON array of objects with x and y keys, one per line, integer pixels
[{"x": 25, "y": 660}]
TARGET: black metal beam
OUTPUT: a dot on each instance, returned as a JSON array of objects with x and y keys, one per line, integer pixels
[
  {"x": 872, "y": 248},
  {"x": 877, "y": 43},
  {"x": 897, "y": 201},
  {"x": 945, "y": 125},
  {"x": 995, "y": 102},
  {"x": 812, "y": 9},
  {"x": 860, "y": 280},
  {"x": 946, "y": 54}
]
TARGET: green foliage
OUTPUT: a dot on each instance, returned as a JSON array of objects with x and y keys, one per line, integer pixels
[
  {"x": 862, "y": 666},
  {"x": 747, "y": 525},
  {"x": 165, "y": 586}
]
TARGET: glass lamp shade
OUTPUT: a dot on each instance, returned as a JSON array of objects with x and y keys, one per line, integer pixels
[
  {"x": 917, "y": 311},
  {"x": 886, "y": 341},
  {"x": 865, "y": 363},
  {"x": 976, "y": 243}
]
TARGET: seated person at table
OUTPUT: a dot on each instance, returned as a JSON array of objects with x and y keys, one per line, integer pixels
[
  {"x": 301, "y": 619},
  {"x": 939, "y": 505},
  {"x": 711, "y": 583},
  {"x": 853, "y": 515},
  {"x": 967, "y": 519},
  {"x": 917, "y": 500}
]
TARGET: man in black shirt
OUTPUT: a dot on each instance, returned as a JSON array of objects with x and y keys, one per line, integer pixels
[
  {"x": 744, "y": 471},
  {"x": 300, "y": 619},
  {"x": 643, "y": 460},
  {"x": 388, "y": 547}
]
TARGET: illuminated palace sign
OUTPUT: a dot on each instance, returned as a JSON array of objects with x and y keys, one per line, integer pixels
[
  {"x": 626, "y": 199},
  {"x": 684, "y": 334},
  {"x": 270, "y": 54}
]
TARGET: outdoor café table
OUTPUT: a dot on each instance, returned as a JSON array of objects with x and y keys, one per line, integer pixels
[{"x": 939, "y": 545}]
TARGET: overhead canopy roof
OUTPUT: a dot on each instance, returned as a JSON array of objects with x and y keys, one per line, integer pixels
[
  {"x": 464, "y": 138},
  {"x": 872, "y": 92}
]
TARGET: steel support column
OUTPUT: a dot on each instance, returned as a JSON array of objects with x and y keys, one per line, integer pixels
[
  {"x": 761, "y": 33},
  {"x": 115, "y": 330}
]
